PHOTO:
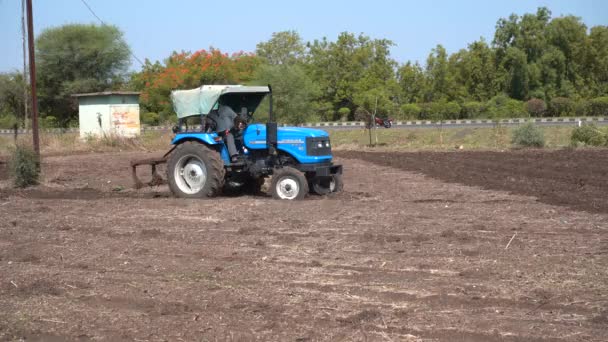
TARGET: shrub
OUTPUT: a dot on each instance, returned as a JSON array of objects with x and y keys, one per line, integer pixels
[
  {"x": 24, "y": 167},
  {"x": 599, "y": 106},
  {"x": 343, "y": 113},
  {"x": 561, "y": 106},
  {"x": 150, "y": 118},
  {"x": 49, "y": 121},
  {"x": 441, "y": 110},
  {"x": 501, "y": 106},
  {"x": 8, "y": 121},
  {"x": 581, "y": 108},
  {"x": 528, "y": 135},
  {"x": 536, "y": 107},
  {"x": 588, "y": 135},
  {"x": 472, "y": 109},
  {"x": 410, "y": 111}
]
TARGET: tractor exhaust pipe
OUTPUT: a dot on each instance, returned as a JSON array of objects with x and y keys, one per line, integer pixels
[{"x": 271, "y": 128}]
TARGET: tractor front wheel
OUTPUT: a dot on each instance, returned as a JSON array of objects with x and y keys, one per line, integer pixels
[
  {"x": 288, "y": 183},
  {"x": 325, "y": 185},
  {"x": 195, "y": 171}
]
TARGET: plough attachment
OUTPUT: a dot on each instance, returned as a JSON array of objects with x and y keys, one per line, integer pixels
[{"x": 156, "y": 178}]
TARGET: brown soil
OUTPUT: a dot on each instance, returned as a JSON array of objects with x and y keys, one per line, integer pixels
[
  {"x": 397, "y": 256},
  {"x": 573, "y": 178}
]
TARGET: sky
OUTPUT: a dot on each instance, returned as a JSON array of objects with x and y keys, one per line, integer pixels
[{"x": 154, "y": 28}]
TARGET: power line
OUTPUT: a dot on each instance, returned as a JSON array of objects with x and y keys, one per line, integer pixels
[{"x": 103, "y": 23}]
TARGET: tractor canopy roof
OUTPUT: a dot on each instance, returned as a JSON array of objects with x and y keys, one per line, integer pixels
[{"x": 201, "y": 100}]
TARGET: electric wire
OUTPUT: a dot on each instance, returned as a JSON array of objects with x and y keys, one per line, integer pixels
[{"x": 103, "y": 23}]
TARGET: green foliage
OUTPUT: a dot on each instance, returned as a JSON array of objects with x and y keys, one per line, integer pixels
[
  {"x": 24, "y": 167},
  {"x": 293, "y": 92},
  {"x": 48, "y": 121},
  {"x": 589, "y": 135},
  {"x": 78, "y": 58},
  {"x": 150, "y": 118},
  {"x": 8, "y": 121},
  {"x": 599, "y": 106},
  {"x": 536, "y": 107},
  {"x": 284, "y": 47},
  {"x": 11, "y": 99},
  {"x": 562, "y": 106},
  {"x": 344, "y": 112},
  {"x": 472, "y": 109},
  {"x": 410, "y": 111},
  {"x": 501, "y": 106},
  {"x": 528, "y": 135}
]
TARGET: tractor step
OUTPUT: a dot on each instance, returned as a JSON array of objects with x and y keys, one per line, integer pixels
[{"x": 156, "y": 178}]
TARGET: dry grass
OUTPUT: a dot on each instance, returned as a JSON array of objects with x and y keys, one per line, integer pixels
[
  {"x": 495, "y": 138},
  {"x": 470, "y": 138},
  {"x": 72, "y": 143}
]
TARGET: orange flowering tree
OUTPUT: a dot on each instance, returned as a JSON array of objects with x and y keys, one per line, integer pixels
[{"x": 187, "y": 70}]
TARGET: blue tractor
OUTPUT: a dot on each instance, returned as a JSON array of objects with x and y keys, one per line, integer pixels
[{"x": 299, "y": 160}]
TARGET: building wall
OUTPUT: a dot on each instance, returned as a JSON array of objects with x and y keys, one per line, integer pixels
[{"x": 113, "y": 114}]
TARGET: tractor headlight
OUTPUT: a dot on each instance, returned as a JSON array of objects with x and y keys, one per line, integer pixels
[{"x": 318, "y": 146}]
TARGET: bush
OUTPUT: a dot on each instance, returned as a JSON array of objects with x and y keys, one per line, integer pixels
[
  {"x": 410, "y": 111},
  {"x": 440, "y": 110},
  {"x": 472, "y": 109},
  {"x": 581, "y": 108},
  {"x": 501, "y": 106},
  {"x": 588, "y": 135},
  {"x": 24, "y": 167},
  {"x": 49, "y": 121},
  {"x": 561, "y": 106},
  {"x": 8, "y": 121},
  {"x": 528, "y": 135},
  {"x": 150, "y": 118},
  {"x": 599, "y": 106},
  {"x": 536, "y": 107},
  {"x": 343, "y": 113}
]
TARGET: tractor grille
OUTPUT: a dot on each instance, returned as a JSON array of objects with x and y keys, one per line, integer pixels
[{"x": 318, "y": 146}]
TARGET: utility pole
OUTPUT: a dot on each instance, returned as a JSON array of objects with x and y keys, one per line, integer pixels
[
  {"x": 30, "y": 39},
  {"x": 25, "y": 91}
]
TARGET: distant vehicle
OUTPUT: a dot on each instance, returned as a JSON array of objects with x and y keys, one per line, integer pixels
[{"x": 386, "y": 122}]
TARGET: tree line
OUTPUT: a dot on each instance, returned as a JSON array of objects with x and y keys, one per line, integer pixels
[{"x": 535, "y": 65}]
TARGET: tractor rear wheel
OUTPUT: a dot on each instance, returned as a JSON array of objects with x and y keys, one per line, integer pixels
[
  {"x": 288, "y": 183},
  {"x": 195, "y": 171}
]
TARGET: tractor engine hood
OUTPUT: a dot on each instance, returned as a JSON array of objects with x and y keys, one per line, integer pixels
[{"x": 296, "y": 141}]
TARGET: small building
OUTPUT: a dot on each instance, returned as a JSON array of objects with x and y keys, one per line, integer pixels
[{"x": 108, "y": 113}]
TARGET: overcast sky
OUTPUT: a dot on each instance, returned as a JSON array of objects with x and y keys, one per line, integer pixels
[{"x": 154, "y": 29}]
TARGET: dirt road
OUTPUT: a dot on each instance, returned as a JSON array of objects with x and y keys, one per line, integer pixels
[{"x": 401, "y": 257}]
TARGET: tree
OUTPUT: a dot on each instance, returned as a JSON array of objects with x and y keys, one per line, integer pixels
[
  {"x": 475, "y": 70},
  {"x": 11, "y": 99},
  {"x": 76, "y": 59},
  {"x": 186, "y": 70},
  {"x": 353, "y": 71},
  {"x": 284, "y": 47},
  {"x": 411, "y": 80},
  {"x": 293, "y": 92},
  {"x": 441, "y": 83}
]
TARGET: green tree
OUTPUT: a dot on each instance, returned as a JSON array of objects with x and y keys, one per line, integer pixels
[
  {"x": 293, "y": 92},
  {"x": 78, "y": 58},
  {"x": 12, "y": 99},
  {"x": 437, "y": 73},
  {"x": 411, "y": 81},
  {"x": 353, "y": 72},
  {"x": 284, "y": 47},
  {"x": 475, "y": 70}
]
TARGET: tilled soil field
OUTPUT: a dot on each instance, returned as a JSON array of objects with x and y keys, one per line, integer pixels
[{"x": 405, "y": 253}]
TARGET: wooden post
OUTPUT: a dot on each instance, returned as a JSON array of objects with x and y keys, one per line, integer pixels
[{"x": 30, "y": 39}]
